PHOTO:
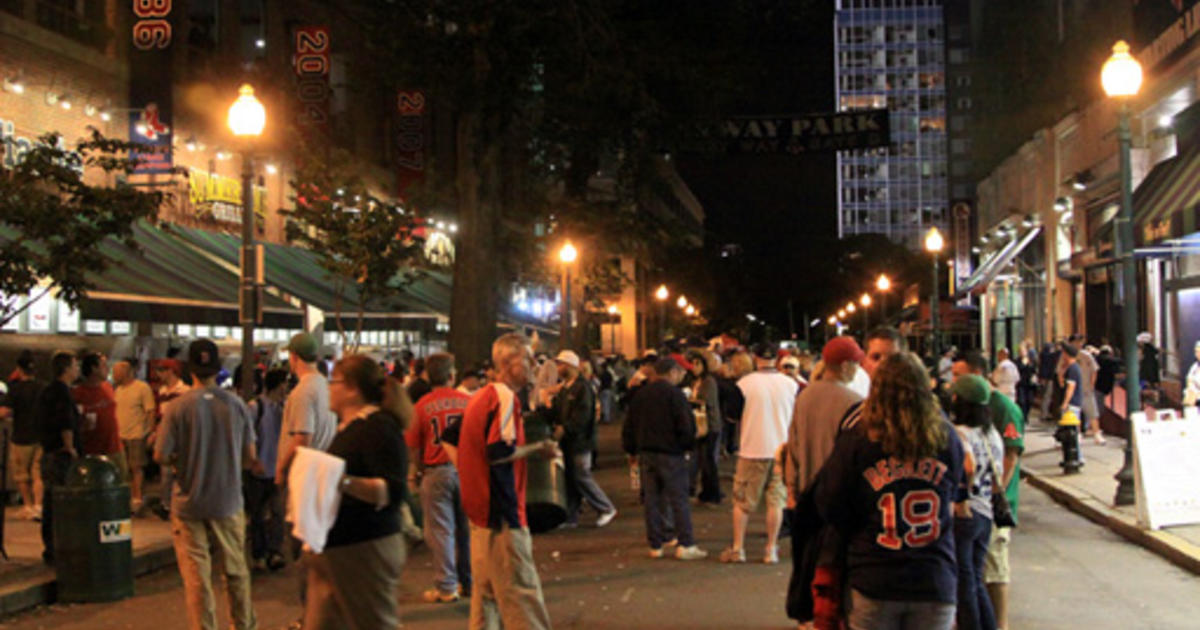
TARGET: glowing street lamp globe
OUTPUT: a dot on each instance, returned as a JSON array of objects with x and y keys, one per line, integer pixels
[
  {"x": 865, "y": 300},
  {"x": 850, "y": 308},
  {"x": 883, "y": 283},
  {"x": 247, "y": 116},
  {"x": 934, "y": 241},
  {"x": 681, "y": 302},
  {"x": 1121, "y": 75},
  {"x": 662, "y": 293}
]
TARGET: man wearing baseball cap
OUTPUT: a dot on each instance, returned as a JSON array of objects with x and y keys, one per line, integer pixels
[
  {"x": 574, "y": 411},
  {"x": 207, "y": 437},
  {"x": 307, "y": 419},
  {"x": 816, "y": 422}
]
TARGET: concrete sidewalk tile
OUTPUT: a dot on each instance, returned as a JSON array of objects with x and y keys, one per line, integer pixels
[{"x": 1089, "y": 493}]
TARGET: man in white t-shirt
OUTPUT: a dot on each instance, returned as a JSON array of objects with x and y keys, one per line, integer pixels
[
  {"x": 770, "y": 400},
  {"x": 1006, "y": 375},
  {"x": 307, "y": 419}
]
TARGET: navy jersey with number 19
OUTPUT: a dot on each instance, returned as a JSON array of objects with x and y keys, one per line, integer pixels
[{"x": 895, "y": 515}]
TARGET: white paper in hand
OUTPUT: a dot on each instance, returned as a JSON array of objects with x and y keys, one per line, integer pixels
[{"x": 313, "y": 495}]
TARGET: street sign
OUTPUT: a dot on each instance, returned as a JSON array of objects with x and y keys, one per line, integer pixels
[
  {"x": 807, "y": 133},
  {"x": 1166, "y": 465}
]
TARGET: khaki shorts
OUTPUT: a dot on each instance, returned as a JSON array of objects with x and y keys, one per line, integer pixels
[
  {"x": 995, "y": 567},
  {"x": 26, "y": 464},
  {"x": 755, "y": 478},
  {"x": 135, "y": 453}
]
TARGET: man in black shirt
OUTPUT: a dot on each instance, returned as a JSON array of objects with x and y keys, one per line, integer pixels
[
  {"x": 59, "y": 436},
  {"x": 660, "y": 431},
  {"x": 574, "y": 409},
  {"x": 23, "y": 392}
]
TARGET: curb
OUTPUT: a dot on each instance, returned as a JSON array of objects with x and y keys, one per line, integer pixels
[
  {"x": 39, "y": 587},
  {"x": 1169, "y": 546}
]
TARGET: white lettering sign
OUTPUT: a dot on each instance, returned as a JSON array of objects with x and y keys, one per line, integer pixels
[{"x": 1166, "y": 466}]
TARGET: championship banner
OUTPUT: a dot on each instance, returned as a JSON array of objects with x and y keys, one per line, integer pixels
[
  {"x": 310, "y": 61},
  {"x": 960, "y": 214},
  {"x": 412, "y": 140},
  {"x": 861, "y": 129},
  {"x": 152, "y": 36}
]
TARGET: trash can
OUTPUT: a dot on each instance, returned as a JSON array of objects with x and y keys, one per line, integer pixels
[
  {"x": 545, "y": 483},
  {"x": 93, "y": 533}
]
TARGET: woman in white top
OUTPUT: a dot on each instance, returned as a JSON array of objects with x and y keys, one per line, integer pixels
[{"x": 1006, "y": 376}]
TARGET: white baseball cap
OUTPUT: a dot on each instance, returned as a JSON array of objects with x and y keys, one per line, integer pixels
[{"x": 568, "y": 357}]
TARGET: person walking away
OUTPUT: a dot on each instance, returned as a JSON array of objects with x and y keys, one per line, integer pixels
[
  {"x": 1006, "y": 376},
  {"x": 24, "y": 389},
  {"x": 491, "y": 466},
  {"x": 437, "y": 414},
  {"x": 574, "y": 411},
  {"x": 1027, "y": 386},
  {"x": 264, "y": 503},
  {"x": 973, "y": 516},
  {"x": 207, "y": 437},
  {"x": 1089, "y": 370},
  {"x": 419, "y": 386},
  {"x": 352, "y": 583},
  {"x": 888, "y": 488},
  {"x": 136, "y": 408},
  {"x": 770, "y": 401},
  {"x": 1009, "y": 422},
  {"x": 1047, "y": 375},
  {"x": 98, "y": 405},
  {"x": 1071, "y": 381},
  {"x": 1106, "y": 377},
  {"x": 815, "y": 425},
  {"x": 707, "y": 394},
  {"x": 1148, "y": 367},
  {"x": 660, "y": 432},
  {"x": 58, "y": 432},
  {"x": 169, "y": 374}
]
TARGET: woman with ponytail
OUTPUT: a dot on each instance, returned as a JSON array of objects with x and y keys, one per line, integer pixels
[{"x": 353, "y": 582}]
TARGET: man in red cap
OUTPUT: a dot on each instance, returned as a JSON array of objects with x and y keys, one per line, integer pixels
[{"x": 815, "y": 426}]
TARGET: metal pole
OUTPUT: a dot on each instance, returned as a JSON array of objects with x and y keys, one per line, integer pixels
[
  {"x": 883, "y": 307},
  {"x": 248, "y": 274},
  {"x": 866, "y": 322},
  {"x": 1129, "y": 314},
  {"x": 565, "y": 326},
  {"x": 933, "y": 309},
  {"x": 612, "y": 337}
]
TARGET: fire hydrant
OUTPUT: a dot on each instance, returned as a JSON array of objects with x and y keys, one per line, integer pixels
[{"x": 1068, "y": 436}]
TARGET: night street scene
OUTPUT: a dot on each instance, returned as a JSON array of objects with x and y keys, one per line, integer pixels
[{"x": 599, "y": 314}]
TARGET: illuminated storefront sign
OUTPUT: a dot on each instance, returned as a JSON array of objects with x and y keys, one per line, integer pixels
[{"x": 220, "y": 198}]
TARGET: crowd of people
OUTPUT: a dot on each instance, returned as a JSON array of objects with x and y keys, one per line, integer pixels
[{"x": 896, "y": 478}]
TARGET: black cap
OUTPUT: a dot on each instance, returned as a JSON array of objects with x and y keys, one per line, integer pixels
[
  {"x": 25, "y": 360},
  {"x": 203, "y": 359}
]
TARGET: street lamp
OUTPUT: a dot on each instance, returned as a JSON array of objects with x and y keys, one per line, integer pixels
[
  {"x": 566, "y": 255},
  {"x": 865, "y": 300},
  {"x": 661, "y": 295},
  {"x": 681, "y": 302},
  {"x": 883, "y": 285},
  {"x": 1122, "y": 78},
  {"x": 246, "y": 119},
  {"x": 690, "y": 310},
  {"x": 612, "y": 328},
  {"x": 934, "y": 244}
]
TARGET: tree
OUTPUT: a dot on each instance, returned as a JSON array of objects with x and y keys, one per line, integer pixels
[
  {"x": 370, "y": 248},
  {"x": 53, "y": 220}
]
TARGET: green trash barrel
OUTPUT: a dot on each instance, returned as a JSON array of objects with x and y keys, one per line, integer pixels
[
  {"x": 93, "y": 533},
  {"x": 545, "y": 482}
]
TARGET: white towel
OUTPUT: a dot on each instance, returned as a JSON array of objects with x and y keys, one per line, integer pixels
[{"x": 313, "y": 495}]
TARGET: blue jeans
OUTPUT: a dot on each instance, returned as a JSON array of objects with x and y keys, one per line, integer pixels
[
  {"x": 879, "y": 614},
  {"x": 971, "y": 536},
  {"x": 665, "y": 484},
  {"x": 54, "y": 473},
  {"x": 446, "y": 529},
  {"x": 582, "y": 486}
]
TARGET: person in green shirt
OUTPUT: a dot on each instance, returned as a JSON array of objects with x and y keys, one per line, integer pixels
[{"x": 1010, "y": 422}]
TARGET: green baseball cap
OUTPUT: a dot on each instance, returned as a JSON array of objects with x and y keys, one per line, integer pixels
[
  {"x": 972, "y": 388},
  {"x": 304, "y": 346}
]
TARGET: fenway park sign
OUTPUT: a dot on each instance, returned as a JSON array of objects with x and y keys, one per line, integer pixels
[{"x": 804, "y": 134}]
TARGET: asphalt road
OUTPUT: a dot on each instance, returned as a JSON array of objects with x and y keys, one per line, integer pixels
[{"x": 1068, "y": 573}]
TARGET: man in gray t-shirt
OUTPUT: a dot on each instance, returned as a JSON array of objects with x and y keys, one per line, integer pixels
[
  {"x": 307, "y": 418},
  {"x": 207, "y": 438}
]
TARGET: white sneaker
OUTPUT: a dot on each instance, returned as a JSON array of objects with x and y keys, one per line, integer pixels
[
  {"x": 771, "y": 556},
  {"x": 28, "y": 513},
  {"x": 1099, "y": 438},
  {"x": 656, "y": 553},
  {"x": 606, "y": 518},
  {"x": 690, "y": 553}
]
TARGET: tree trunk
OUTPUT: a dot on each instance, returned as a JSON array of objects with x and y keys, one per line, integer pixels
[{"x": 473, "y": 300}]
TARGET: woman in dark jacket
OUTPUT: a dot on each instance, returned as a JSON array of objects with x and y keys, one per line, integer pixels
[
  {"x": 706, "y": 395},
  {"x": 353, "y": 582}
]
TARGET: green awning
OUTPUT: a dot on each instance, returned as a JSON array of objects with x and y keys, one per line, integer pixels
[{"x": 1166, "y": 203}]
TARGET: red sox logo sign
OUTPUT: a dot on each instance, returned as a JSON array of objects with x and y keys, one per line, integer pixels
[
  {"x": 151, "y": 29},
  {"x": 149, "y": 124}
]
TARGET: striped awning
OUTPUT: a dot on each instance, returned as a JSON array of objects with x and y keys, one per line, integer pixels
[{"x": 1166, "y": 203}]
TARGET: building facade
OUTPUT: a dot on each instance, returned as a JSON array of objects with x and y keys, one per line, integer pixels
[{"x": 892, "y": 54}]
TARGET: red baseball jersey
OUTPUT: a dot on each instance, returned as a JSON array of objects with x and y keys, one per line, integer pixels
[
  {"x": 436, "y": 411},
  {"x": 493, "y": 495}
]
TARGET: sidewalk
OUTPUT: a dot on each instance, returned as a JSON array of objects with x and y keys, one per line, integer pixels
[
  {"x": 26, "y": 582},
  {"x": 1090, "y": 493}
]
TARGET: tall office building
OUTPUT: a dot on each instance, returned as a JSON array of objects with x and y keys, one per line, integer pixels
[{"x": 892, "y": 53}]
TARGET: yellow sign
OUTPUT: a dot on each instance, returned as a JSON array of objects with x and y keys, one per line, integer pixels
[
  {"x": 1156, "y": 230},
  {"x": 221, "y": 197}
]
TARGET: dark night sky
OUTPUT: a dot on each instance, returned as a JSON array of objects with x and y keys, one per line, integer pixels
[{"x": 780, "y": 209}]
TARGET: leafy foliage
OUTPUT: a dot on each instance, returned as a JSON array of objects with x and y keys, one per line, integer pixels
[
  {"x": 54, "y": 218},
  {"x": 371, "y": 248}
]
